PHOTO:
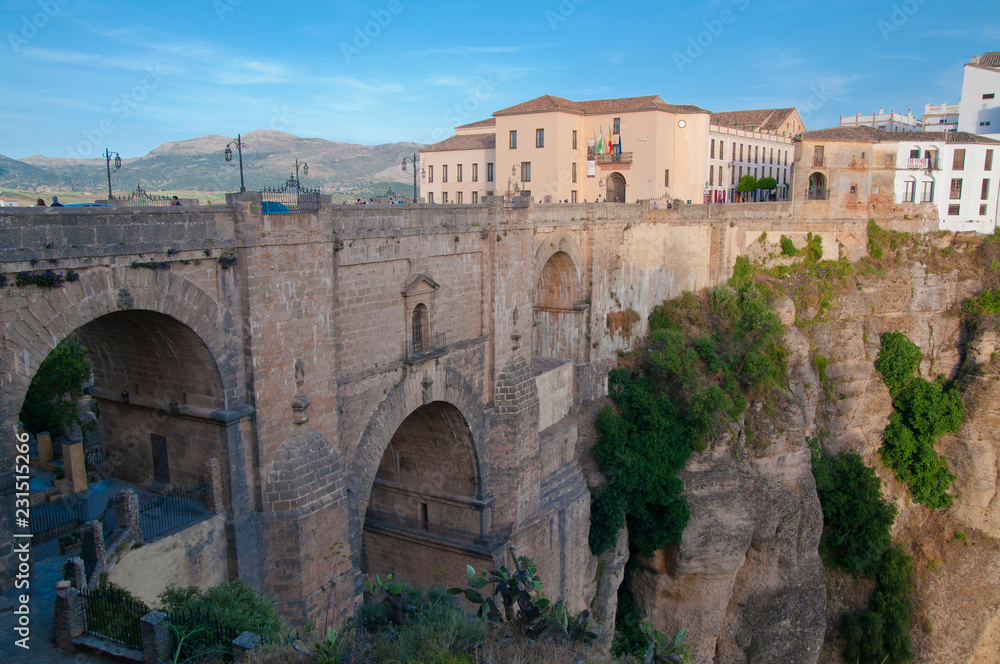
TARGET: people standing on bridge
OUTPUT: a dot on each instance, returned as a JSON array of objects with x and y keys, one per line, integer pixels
[
  {"x": 40, "y": 202},
  {"x": 55, "y": 202},
  {"x": 175, "y": 201}
]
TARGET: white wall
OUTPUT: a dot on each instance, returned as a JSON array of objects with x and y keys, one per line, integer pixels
[{"x": 973, "y": 109}]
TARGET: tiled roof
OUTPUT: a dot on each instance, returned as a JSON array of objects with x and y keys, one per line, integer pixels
[
  {"x": 482, "y": 124},
  {"x": 598, "y": 106},
  {"x": 765, "y": 119},
  {"x": 991, "y": 59},
  {"x": 464, "y": 142},
  {"x": 865, "y": 134},
  {"x": 540, "y": 105}
]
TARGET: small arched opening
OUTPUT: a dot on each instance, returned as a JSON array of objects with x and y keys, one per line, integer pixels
[{"x": 817, "y": 187}]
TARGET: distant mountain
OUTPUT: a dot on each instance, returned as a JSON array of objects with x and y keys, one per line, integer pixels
[{"x": 198, "y": 164}]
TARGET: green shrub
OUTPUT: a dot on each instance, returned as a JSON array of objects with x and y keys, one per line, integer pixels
[
  {"x": 706, "y": 357},
  {"x": 881, "y": 634},
  {"x": 923, "y": 411},
  {"x": 788, "y": 247},
  {"x": 857, "y": 520},
  {"x": 62, "y": 373}
]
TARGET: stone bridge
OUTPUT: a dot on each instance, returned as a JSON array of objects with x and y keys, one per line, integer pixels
[{"x": 400, "y": 380}]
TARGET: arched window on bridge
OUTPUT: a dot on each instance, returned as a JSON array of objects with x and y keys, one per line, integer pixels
[{"x": 419, "y": 329}]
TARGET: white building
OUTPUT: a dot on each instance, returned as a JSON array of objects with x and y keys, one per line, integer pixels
[
  {"x": 957, "y": 171},
  {"x": 757, "y": 143},
  {"x": 979, "y": 110},
  {"x": 940, "y": 117},
  {"x": 891, "y": 121}
]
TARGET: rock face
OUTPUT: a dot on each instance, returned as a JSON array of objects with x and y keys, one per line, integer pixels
[{"x": 747, "y": 582}]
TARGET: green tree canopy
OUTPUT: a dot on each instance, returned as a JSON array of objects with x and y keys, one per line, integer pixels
[
  {"x": 746, "y": 184},
  {"x": 50, "y": 404},
  {"x": 768, "y": 183}
]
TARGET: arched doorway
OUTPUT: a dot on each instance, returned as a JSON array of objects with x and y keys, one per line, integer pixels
[
  {"x": 616, "y": 188},
  {"x": 425, "y": 517},
  {"x": 556, "y": 308},
  {"x": 817, "y": 187}
]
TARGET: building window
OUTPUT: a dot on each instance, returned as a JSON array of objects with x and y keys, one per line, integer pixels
[
  {"x": 475, "y": 172},
  {"x": 958, "y": 163},
  {"x": 475, "y": 197},
  {"x": 817, "y": 187},
  {"x": 539, "y": 138},
  {"x": 741, "y": 172},
  {"x": 458, "y": 173},
  {"x": 722, "y": 149},
  {"x": 956, "y": 189},
  {"x": 711, "y": 176},
  {"x": 418, "y": 333},
  {"x": 818, "y": 155},
  {"x": 989, "y": 160},
  {"x": 458, "y": 198},
  {"x": 430, "y": 197},
  {"x": 854, "y": 189},
  {"x": 525, "y": 171},
  {"x": 786, "y": 157},
  {"x": 734, "y": 150},
  {"x": 617, "y": 126},
  {"x": 720, "y": 174},
  {"x": 986, "y": 191},
  {"x": 489, "y": 172},
  {"x": 666, "y": 178},
  {"x": 990, "y": 95},
  {"x": 513, "y": 139},
  {"x": 712, "y": 150},
  {"x": 430, "y": 173},
  {"x": 574, "y": 139},
  {"x": 572, "y": 196},
  {"x": 733, "y": 178},
  {"x": 772, "y": 155},
  {"x": 444, "y": 196},
  {"x": 927, "y": 196},
  {"x": 982, "y": 210},
  {"x": 444, "y": 173},
  {"x": 756, "y": 154},
  {"x": 909, "y": 192},
  {"x": 574, "y": 171},
  {"x": 954, "y": 210},
  {"x": 741, "y": 152}
]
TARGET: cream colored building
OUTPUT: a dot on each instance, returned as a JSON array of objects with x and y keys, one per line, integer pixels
[
  {"x": 548, "y": 148},
  {"x": 757, "y": 143}
]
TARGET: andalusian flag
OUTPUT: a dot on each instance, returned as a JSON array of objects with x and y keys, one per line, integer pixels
[{"x": 600, "y": 143}]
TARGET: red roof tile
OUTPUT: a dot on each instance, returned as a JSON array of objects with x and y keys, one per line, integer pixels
[
  {"x": 865, "y": 134},
  {"x": 482, "y": 124},
  {"x": 991, "y": 59},
  {"x": 598, "y": 106},
  {"x": 765, "y": 119},
  {"x": 464, "y": 142}
]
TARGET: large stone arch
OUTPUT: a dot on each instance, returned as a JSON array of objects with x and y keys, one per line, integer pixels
[{"x": 559, "y": 306}]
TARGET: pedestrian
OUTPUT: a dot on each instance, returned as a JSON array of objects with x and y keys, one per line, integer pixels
[
  {"x": 40, "y": 202},
  {"x": 55, "y": 202},
  {"x": 175, "y": 201}
]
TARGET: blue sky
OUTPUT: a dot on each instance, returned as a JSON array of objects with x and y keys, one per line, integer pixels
[{"x": 83, "y": 75}]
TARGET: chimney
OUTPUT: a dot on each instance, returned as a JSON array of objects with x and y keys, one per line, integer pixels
[{"x": 975, "y": 59}]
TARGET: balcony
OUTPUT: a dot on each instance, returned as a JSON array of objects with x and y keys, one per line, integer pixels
[
  {"x": 623, "y": 158},
  {"x": 415, "y": 352}
]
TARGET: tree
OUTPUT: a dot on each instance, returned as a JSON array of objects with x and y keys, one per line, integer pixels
[
  {"x": 768, "y": 184},
  {"x": 46, "y": 406},
  {"x": 747, "y": 184}
]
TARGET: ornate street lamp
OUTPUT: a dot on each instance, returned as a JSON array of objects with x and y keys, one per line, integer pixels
[
  {"x": 305, "y": 170},
  {"x": 229, "y": 157},
  {"x": 118, "y": 164},
  {"x": 423, "y": 173}
]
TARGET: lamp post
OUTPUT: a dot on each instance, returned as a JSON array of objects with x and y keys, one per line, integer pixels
[
  {"x": 305, "y": 171},
  {"x": 118, "y": 164},
  {"x": 413, "y": 162},
  {"x": 513, "y": 178},
  {"x": 229, "y": 157}
]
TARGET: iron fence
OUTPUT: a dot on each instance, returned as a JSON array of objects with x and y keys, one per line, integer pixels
[
  {"x": 205, "y": 638},
  {"x": 141, "y": 198},
  {"x": 290, "y": 197},
  {"x": 426, "y": 346},
  {"x": 172, "y": 511},
  {"x": 48, "y": 520},
  {"x": 115, "y": 615}
]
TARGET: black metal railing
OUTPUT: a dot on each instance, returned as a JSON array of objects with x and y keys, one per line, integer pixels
[
  {"x": 141, "y": 198},
  {"x": 205, "y": 638},
  {"x": 290, "y": 197},
  {"x": 616, "y": 158},
  {"x": 48, "y": 520},
  {"x": 172, "y": 511},
  {"x": 427, "y": 346},
  {"x": 115, "y": 615}
]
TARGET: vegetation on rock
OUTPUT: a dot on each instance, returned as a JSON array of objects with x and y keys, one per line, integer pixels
[
  {"x": 49, "y": 404},
  {"x": 924, "y": 411}
]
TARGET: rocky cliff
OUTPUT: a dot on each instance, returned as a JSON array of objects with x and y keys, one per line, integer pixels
[{"x": 747, "y": 580}]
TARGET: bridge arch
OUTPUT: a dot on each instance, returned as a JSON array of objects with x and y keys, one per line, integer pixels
[
  {"x": 559, "y": 311},
  {"x": 161, "y": 368},
  {"x": 418, "y": 482}
]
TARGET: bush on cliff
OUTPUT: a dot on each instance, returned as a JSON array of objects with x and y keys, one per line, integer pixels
[
  {"x": 63, "y": 372},
  {"x": 707, "y": 356},
  {"x": 924, "y": 410}
]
